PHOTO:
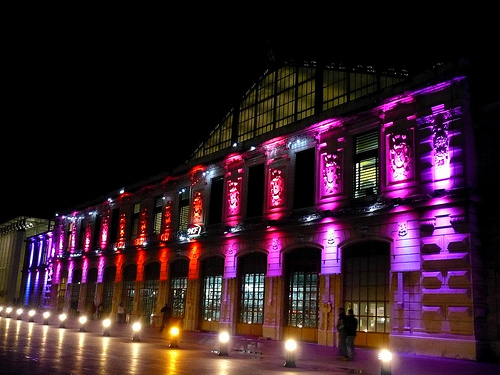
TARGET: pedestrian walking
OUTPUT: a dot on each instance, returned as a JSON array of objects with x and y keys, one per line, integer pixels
[
  {"x": 121, "y": 313},
  {"x": 165, "y": 318},
  {"x": 342, "y": 333},
  {"x": 351, "y": 326}
]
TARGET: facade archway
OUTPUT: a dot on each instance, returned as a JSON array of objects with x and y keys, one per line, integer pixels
[
  {"x": 150, "y": 290},
  {"x": 301, "y": 294},
  {"x": 251, "y": 291},
  {"x": 366, "y": 289},
  {"x": 179, "y": 270},
  {"x": 212, "y": 271}
]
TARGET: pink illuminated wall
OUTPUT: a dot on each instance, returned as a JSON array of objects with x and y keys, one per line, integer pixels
[
  {"x": 331, "y": 173},
  {"x": 197, "y": 207},
  {"x": 276, "y": 187},
  {"x": 233, "y": 196},
  {"x": 104, "y": 229},
  {"x": 121, "y": 231}
]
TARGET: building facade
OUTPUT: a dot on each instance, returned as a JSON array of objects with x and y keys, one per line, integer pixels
[
  {"x": 13, "y": 234},
  {"x": 325, "y": 188}
]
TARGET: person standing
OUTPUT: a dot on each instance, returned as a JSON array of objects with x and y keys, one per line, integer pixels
[
  {"x": 166, "y": 315},
  {"x": 351, "y": 326},
  {"x": 121, "y": 313},
  {"x": 342, "y": 333}
]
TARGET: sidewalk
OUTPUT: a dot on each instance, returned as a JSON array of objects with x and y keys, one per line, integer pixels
[{"x": 269, "y": 355}]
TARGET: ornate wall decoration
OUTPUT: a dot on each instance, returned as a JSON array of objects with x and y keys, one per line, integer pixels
[
  {"x": 400, "y": 157},
  {"x": 233, "y": 199},
  {"x": 277, "y": 187},
  {"x": 331, "y": 172},
  {"x": 197, "y": 207},
  {"x": 167, "y": 222}
]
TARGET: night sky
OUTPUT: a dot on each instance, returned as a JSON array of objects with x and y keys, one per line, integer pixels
[{"x": 94, "y": 106}]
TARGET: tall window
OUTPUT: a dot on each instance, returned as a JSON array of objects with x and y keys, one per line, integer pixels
[
  {"x": 135, "y": 220},
  {"x": 178, "y": 286},
  {"x": 91, "y": 288},
  {"x": 366, "y": 268},
  {"x": 108, "y": 288},
  {"x": 252, "y": 271},
  {"x": 75, "y": 289},
  {"x": 212, "y": 270},
  {"x": 304, "y": 179},
  {"x": 255, "y": 191},
  {"x": 184, "y": 209},
  {"x": 157, "y": 215},
  {"x": 129, "y": 275},
  {"x": 303, "y": 267},
  {"x": 215, "y": 209},
  {"x": 149, "y": 293},
  {"x": 366, "y": 164}
]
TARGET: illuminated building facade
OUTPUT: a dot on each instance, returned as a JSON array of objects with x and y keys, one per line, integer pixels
[{"x": 325, "y": 188}]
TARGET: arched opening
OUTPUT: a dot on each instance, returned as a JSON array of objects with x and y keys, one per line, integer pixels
[
  {"x": 302, "y": 268},
  {"x": 91, "y": 287},
  {"x": 149, "y": 292},
  {"x": 178, "y": 287},
  {"x": 108, "y": 288},
  {"x": 212, "y": 270},
  {"x": 366, "y": 271},
  {"x": 75, "y": 290},
  {"x": 251, "y": 280},
  {"x": 128, "y": 290}
]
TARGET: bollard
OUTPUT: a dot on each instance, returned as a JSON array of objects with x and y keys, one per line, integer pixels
[
  {"x": 46, "y": 315},
  {"x": 136, "y": 327},
  {"x": 290, "y": 347},
  {"x": 62, "y": 321},
  {"x": 83, "y": 321},
  {"x": 174, "y": 337},
  {"x": 106, "y": 324},
  {"x": 223, "y": 341},
  {"x": 385, "y": 357}
]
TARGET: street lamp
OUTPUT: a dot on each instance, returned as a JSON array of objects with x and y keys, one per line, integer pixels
[
  {"x": 136, "y": 327},
  {"x": 385, "y": 357},
  {"x": 223, "y": 341},
  {"x": 106, "y": 324},
  {"x": 62, "y": 321},
  {"x": 31, "y": 315},
  {"x": 290, "y": 347},
  {"x": 46, "y": 315},
  {"x": 19, "y": 312},
  {"x": 83, "y": 321},
  {"x": 174, "y": 337}
]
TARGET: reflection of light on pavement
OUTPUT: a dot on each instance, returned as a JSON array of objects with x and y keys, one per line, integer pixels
[
  {"x": 79, "y": 354},
  {"x": 223, "y": 367},
  {"x": 44, "y": 340},
  {"x": 134, "y": 357},
  {"x": 104, "y": 354},
  {"x": 18, "y": 328},
  {"x": 27, "y": 347},
  {"x": 172, "y": 361}
]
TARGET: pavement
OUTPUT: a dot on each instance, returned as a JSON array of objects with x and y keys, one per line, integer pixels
[
  {"x": 251, "y": 355},
  {"x": 314, "y": 358}
]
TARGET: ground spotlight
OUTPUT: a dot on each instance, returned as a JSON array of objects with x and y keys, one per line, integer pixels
[
  {"x": 385, "y": 357},
  {"x": 46, "y": 315},
  {"x": 8, "y": 311},
  {"x": 19, "y": 312},
  {"x": 62, "y": 321},
  {"x": 174, "y": 337},
  {"x": 290, "y": 347},
  {"x": 31, "y": 315},
  {"x": 223, "y": 341},
  {"x": 106, "y": 324},
  {"x": 136, "y": 327},
  {"x": 82, "y": 320}
]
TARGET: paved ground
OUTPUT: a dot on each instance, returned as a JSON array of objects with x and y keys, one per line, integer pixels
[{"x": 34, "y": 348}]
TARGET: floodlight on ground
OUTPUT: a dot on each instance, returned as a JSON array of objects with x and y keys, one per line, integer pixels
[
  {"x": 83, "y": 321},
  {"x": 62, "y": 320},
  {"x": 46, "y": 316},
  {"x": 136, "y": 327},
  {"x": 385, "y": 357},
  {"x": 31, "y": 315},
  {"x": 106, "y": 324},
  {"x": 290, "y": 349},
  {"x": 224, "y": 342},
  {"x": 19, "y": 312},
  {"x": 174, "y": 337}
]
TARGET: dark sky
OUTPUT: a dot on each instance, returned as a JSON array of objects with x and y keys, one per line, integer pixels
[{"x": 93, "y": 106}]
